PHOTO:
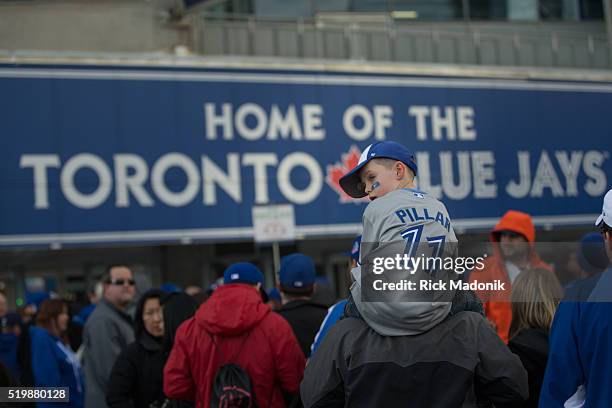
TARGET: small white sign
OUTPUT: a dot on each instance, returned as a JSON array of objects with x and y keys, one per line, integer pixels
[{"x": 274, "y": 223}]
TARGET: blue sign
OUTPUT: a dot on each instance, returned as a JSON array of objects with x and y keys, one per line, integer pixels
[{"x": 112, "y": 154}]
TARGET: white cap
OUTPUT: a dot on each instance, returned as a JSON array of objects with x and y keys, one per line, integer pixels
[{"x": 606, "y": 211}]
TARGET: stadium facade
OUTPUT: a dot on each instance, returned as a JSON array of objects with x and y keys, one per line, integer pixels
[{"x": 154, "y": 150}]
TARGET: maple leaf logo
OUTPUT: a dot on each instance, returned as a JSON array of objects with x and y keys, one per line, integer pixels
[{"x": 335, "y": 171}]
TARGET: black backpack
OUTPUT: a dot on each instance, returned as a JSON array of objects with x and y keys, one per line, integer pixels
[{"x": 232, "y": 387}]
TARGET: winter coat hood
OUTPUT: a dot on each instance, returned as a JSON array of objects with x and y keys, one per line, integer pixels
[
  {"x": 177, "y": 307},
  {"x": 231, "y": 310},
  {"x": 234, "y": 326},
  {"x": 520, "y": 223},
  {"x": 139, "y": 326},
  {"x": 515, "y": 221}
]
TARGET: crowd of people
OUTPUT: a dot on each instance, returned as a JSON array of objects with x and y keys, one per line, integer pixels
[{"x": 533, "y": 344}]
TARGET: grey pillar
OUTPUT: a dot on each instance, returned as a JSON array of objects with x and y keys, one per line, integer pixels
[
  {"x": 571, "y": 10},
  {"x": 608, "y": 17}
]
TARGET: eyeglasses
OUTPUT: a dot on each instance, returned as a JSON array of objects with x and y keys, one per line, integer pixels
[{"x": 121, "y": 282}]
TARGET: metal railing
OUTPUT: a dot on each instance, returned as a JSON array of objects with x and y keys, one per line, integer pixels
[{"x": 506, "y": 44}]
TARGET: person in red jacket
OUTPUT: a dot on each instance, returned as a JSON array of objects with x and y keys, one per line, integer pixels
[
  {"x": 513, "y": 240},
  {"x": 246, "y": 332}
]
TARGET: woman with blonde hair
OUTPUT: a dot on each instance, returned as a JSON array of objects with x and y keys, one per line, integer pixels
[{"x": 535, "y": 296}]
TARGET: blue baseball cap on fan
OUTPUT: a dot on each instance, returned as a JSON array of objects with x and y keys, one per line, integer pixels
[
  {"x": 351, "y": 183},
  {"x": 170, "y": 287},
  {"x": 297, "y": 271},
  {"x": 274, "y": 294},
  {"x": 243, "y": 272},
  {"x": 592, "y": 256}
]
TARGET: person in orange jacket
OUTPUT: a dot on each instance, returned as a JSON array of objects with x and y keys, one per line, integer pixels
[{"x": 513, "y": 241}]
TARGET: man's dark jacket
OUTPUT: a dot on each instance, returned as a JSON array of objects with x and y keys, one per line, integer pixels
[
  {"x": 305, "y": 318},
  {"x": 454, "y": 364}
]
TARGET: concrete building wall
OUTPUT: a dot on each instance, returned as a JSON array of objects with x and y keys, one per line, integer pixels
[
  {"x": 106, "y": 26},
  {"x": 154, "y": 26}
]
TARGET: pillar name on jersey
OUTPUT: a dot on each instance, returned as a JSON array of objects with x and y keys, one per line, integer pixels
[{"x": 414, "y": 214}]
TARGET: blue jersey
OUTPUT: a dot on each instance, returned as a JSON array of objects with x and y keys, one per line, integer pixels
[{"x": 334, "y": 314}]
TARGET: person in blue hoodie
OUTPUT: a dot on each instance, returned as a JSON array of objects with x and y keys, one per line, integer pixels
[
  {"x": 54, "y": 364},
  {"x": 579, "y": 358}
]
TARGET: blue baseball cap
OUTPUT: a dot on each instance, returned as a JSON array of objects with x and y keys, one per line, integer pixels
[
  {"x": 592, "y": 256},
  {"x": 351, "y": 183},
  {"x": 297, "y": 271},
  {"x": 243, "y": 272},
  {"x": 274, "y": 294},
  {"x": 37, "y": 298},
  {"x": 354, "y": 252},
  {"x": 170, "y": 287}
]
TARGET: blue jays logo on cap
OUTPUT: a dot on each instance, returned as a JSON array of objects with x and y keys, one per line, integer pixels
[{"x": 350, "y": 182}]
